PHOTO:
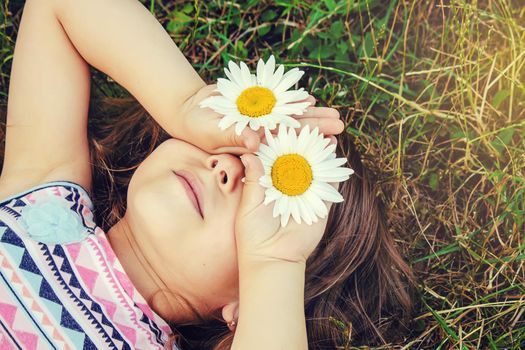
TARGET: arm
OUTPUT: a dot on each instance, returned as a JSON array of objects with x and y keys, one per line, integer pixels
[
  {"x": 124, "y": 40},
  {"x": 272, "y": 264},
  {"x": 46, "y": 133},
  {"x": 271, "y": 306}
]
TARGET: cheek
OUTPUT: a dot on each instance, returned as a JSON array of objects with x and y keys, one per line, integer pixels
[
  {"x": 219, "y": 263},
  {"x": 158, "y": 211}
]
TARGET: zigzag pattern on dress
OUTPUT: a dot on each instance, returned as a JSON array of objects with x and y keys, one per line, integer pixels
[
  {"x": 33, "y": 296},
  {"x": 154, "y": 321},
  {"x": 88, "y": 306},
  {"x": 122, "y": 301},
  {"x": 68, "y": 296}
]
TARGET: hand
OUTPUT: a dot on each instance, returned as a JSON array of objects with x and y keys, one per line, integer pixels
[
  {"x": 199, "y": 126},
  {"x": 259, "y": 236}
]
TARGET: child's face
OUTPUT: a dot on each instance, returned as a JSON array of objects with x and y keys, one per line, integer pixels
[{"x": 195, "y": 256}]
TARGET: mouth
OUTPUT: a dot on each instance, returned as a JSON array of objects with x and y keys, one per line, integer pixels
[{"x": 194, "y": 195}]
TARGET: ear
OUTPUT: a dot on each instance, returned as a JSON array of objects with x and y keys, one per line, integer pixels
[{"x": 230, "y": 311}]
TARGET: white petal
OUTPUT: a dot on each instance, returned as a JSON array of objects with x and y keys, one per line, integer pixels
[
  {"x": 276, "y": 206},
  {"x": 239, "y": 127},
  {"x": 245, "y": 74},
  {"x": 267, "y": 164},
  {"x": 335, "y": 172},
  {"x": 294, "y": 209},
  {"x": 284, "y": 218},
  {"x": 284, "y": 204},
  {"x": 302, "y": 138},
  {"x": 320, "y": 156},
  {"x": 236, "y": 74},
  {"x": 265, "y": 181},
  {"x": 284, "y": 209},
  {"x": 309, "y": 146},
  {"x": 255, "y": 124},
  {"x": 292, "y": 108},
  {"x": 226, "y": 122},
  {"x": 326, "y": 192},
  {"x": 330, "y": 178},
  {"x": 330, "y": 163},
  {"x": 306, "y": 213},
  {"x": 228, "y": 89},
  {"x": 271, "y": 141},
  {"x": 266, "y": 152},
  {"x": 271, "y": 194},
  {"x": 292, "y": 137},
  {"x": 269, "y": 121},
  {"x": 276, "y": 78},
  {"x": 232, "y": 78},
  {"x": 314, "y": 202},
  {"x": 282, "y": 140},
  {"x": 316, "y": 149},
  {"x": 289, "y": 79},
  {"x": 269, "y": 67},
  {"x": 303, "y": 211},
  {"x": 260, "y": 71},
  {"x": 213, "y": 100},
  {"x": 221, "y": 101},
  {"x": 289, "y": 121},
  {"x": 291, "y": 96}
]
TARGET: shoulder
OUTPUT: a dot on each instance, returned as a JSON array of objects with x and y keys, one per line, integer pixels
[
  {"x": 56, "y": 212},
  {"x": 15, "y": 183}
]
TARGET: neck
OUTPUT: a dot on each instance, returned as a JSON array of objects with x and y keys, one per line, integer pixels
[
  {"x": 124, "y": 245},
  {"x": 136, "y": 265}
]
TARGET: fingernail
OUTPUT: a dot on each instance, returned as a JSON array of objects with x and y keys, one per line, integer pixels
[{"x": 244, "y": 162}]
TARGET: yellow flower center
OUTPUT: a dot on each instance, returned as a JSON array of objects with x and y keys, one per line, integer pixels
[
  {"x": 256, "y": 101},
  {"x": 291, "y": 174}
]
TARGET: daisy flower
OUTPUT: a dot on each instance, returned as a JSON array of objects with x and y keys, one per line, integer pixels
[
  {"x": 297, "y": 173},
  {"x": 261, "y": 100}
]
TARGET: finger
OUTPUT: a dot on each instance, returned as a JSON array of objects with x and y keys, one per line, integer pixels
[
  {"x": 333, "y": 140},
  {"x": 232, "y": 150},
  {"x": 248, "y": 139},
  {"x": 310, "y": 99},
  {"x": 253, "y": 191},
  {"x": 327, "y": 126},
  {"x": 319, "y": 112},
  {"x": 211, "y": 90}
]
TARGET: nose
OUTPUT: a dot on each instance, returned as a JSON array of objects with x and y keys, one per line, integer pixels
[{"x": 227, "y": 171}]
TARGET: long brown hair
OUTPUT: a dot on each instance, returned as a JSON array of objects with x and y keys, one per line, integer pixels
[{"x": 354, "y": 278}]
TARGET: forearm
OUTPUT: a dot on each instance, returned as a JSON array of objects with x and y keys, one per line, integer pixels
[
  {"x": 271, "y": 307},
  {"x": 125, "y": 41}
]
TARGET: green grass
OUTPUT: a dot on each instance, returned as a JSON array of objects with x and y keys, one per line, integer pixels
[{"x": 434, "y": 94}]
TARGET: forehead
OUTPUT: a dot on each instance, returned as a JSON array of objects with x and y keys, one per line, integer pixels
[
  {"x": 172, "y": 153},
  {"x": 177, "y": 146}
]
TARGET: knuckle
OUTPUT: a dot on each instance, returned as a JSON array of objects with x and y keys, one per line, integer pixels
[{"x": 233, "y": 139}]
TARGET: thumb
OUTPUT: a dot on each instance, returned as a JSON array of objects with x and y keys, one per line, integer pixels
[
  {"x": 230, "y": 142},
  {"x": 248, "y": 139},
  {"x": 253, "y": 191}
]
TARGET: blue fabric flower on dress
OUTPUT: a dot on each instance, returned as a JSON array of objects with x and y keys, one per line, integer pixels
[{"x": 51, "y": 222}]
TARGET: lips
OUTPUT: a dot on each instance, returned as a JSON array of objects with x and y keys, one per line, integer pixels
[{"x": 188, "y": 181}]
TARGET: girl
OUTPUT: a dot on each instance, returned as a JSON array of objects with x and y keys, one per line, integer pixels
[{"x": 196, "y": 259}]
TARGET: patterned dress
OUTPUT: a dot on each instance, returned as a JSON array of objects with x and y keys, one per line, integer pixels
[{"x": 61, "y": 284}]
